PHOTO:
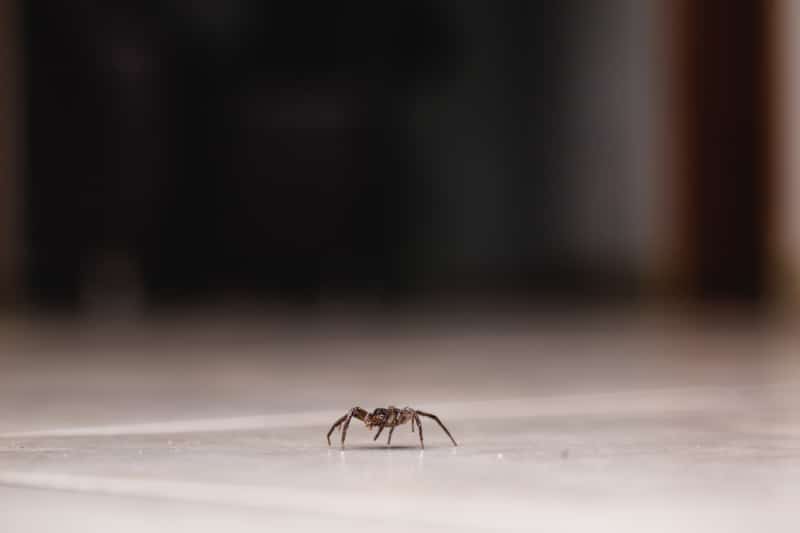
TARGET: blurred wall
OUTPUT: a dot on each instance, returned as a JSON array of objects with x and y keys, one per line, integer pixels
[
  {"x": 513, "y": 146},
  {"x": 230, "y": 146},
  {"x": 786, "y": 219},
  {"x": 614, "y": 178},
  {"x": 546, "y": 145},
  {"x": 493, "y": 140}
]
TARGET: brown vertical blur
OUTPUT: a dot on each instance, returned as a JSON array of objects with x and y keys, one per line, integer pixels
[
  {"x": 9, "y": 200},
  {"x": 722, "y": 147}
]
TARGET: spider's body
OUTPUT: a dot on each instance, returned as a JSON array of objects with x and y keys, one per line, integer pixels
[{"x": 386, "y": 417}]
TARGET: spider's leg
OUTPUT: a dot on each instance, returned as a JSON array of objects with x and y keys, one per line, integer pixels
[
  {"x": 346, "y": 425},
  {"x": 336, "y": 424},
  {"x": 429, "y": 415},
  {"x": 378, "y": 434},
  {"x": 392, "y": 419},
  {"x": 419, "y": 424}
]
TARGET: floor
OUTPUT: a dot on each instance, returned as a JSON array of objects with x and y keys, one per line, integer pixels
[{"x": 609, "y": 423}]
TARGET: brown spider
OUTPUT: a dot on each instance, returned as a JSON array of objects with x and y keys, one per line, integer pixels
[{"x": 389, "y": 417}]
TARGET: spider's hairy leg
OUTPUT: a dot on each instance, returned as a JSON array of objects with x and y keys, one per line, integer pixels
[
  {"x": 357, "y": 412},
  {"x": 334, "y": 426},
  {"x": 395, "y": 419},
  {"x": 429, "y": 415},
  {"x": 378, "y": 434},
  {"x": 419, "y": 425}
]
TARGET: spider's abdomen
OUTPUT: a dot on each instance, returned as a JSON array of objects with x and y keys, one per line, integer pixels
[
  {"x": 401, "y": 418},
  {"x": 389, "y": 418}
]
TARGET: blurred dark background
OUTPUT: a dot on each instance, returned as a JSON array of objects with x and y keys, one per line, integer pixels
[{"x": 184, "y": 152}]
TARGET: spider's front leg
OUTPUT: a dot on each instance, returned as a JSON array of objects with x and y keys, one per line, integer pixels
[
  {"x": 357, "y": 412},
  {"x": 354, "y": 412},
  {"x": 334, "y": 426},
  {"x": 415, "y": 420}
]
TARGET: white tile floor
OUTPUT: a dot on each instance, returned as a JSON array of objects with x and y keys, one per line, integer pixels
[{"x": 628, "y": 425}]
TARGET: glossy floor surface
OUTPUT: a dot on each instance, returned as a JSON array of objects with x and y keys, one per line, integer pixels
[{"x": 623, "y": 424}]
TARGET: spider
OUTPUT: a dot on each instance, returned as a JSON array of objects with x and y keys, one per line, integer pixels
[{"x": 389, "y": 417}]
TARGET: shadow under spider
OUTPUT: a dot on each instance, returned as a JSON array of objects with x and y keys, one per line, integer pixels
[{"x": 381, "y": 447}]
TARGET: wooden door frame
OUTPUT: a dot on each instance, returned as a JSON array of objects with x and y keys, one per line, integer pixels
[
  {"x": 10, "y": 160},
  {"x": 721, "y": 110}
]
